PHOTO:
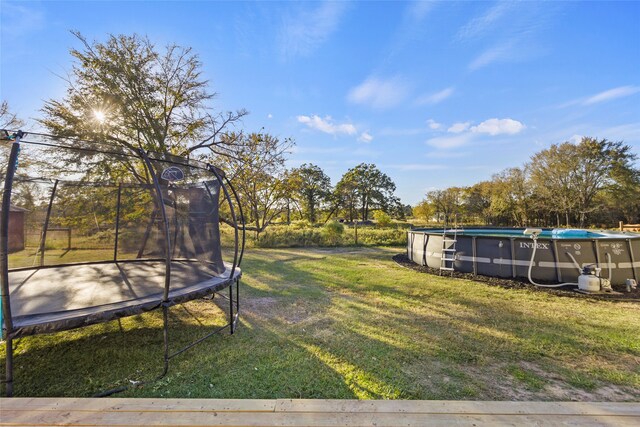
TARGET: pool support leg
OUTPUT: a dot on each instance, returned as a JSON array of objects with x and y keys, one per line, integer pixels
[
  {"x": 513, "y": 257},
  {"x": 633, "y": 261},
  {"x": 474, "y": 251},
  {"x": 556, "y": 259}
]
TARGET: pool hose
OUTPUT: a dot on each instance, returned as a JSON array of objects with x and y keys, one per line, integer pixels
[{"x": 533, "y": 255}]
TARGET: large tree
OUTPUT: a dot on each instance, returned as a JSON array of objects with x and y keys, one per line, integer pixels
[
  {"x": 311, "y": 187},
  {"x": 365, "y": 188},
  {"x": 447, "y": 203},
  {"x": 477, "y": 201},
  {"x": 511, "y": 196},
  {"x": 423, "y": 210},
  {"x": 623, "y": 193},
  {"x": 127, "y": 92},
  {"x": 258, "y": 172},
  {"x": 570, "y": 176}
]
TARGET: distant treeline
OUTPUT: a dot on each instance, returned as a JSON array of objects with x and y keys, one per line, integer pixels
[{"x": 593, "y": 183}]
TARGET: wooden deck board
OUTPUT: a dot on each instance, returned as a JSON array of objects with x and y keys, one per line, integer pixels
[{"x": 286, "y": 412}]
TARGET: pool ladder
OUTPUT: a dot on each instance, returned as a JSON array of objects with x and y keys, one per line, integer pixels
[{"x": 448, "y": 253}]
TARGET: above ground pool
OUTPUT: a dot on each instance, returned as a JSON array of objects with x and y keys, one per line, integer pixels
[{"x": 560, "y": 256}]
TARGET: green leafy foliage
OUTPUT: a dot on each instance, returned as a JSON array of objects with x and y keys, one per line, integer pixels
[
  {"x": 364, "y": 188},
  {"x": 310, "y": 188},
  {"x": 126, "y": 92},
  {"x": 332, "y": 234},
  {"x": 593, "y": 182},
  {"x": 382, "y": 218}
]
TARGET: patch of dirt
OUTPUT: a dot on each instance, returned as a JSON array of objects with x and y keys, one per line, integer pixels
[
  {"x": 619, "y": 294},
  {"x": 341, "y": 250},
  {"x": 505, "y": 387},
  {"x": 609, "y": 393},
  {"x": 270, "y": 308},
  {"x": 261, "y": 307}
]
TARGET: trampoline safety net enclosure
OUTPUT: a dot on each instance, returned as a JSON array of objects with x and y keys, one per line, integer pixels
[{"x": 90, "y": 232}]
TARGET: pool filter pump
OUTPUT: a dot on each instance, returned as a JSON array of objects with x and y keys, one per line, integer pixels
[{"x": 590, "y": 279}]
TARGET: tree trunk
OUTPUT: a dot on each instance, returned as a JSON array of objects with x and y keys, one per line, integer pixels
[{"x": 288, "y": 212}]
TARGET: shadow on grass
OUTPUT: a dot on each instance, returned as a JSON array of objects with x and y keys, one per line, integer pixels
[{"x": 318, "y": 324}]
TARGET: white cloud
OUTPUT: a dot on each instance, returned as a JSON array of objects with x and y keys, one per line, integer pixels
[
  {"x": 610, "y": 94},
  {"x": 435, "y": 98},
  {"x": 465, "y": 133},
  {"x": 481, "y": 24},
  {"x": 446, "y": 142},
  {"x": 365, "y": 137},
  {"x": 418, "y": 10},
  {"x": 433, "y": 124},
  {"x": 501, "y": 52},
  {"x": 269, "y": 116},
  {"x": 306, "y": 31},
  {"x": 499, "y": 127},
  {"x": 379, "y": 93},
  {"x": 326, "y": 125},
  {"x": 459, "y": 127}
]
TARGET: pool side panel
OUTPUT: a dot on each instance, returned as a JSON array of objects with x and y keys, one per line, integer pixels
[
  {"x": 464, "y": 254},
  {"x": 494, "y": 256},
  {"x": 417, "y": 248},
  {"x": 504, "y": 256},
  {"x": 620, "y": 260},
  {"x": 583, "y": 251}
]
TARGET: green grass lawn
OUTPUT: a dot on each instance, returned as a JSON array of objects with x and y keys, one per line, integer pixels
[{"x": 350, "y": 323}]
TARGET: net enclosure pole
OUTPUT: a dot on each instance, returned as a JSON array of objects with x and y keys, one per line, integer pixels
[
  {"x": 6, "y": 322},
  {"x": 236, "y": 242},
  {"x": 115, "y": 245},
  {"x": 46, "y": 223},
  {"x": 167, "y": 254},
  {"x": 244, "y": 238},
  {"x": 235, "y": 195}
]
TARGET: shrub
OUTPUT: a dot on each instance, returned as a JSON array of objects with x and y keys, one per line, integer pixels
[
  {"x": 300, "y": 224},
  {"x": 332, "y": 233},
  {"x": 382, "y": 218},
  {"x": 289, "y": 236},
  {"x": 386, "y": 237}
]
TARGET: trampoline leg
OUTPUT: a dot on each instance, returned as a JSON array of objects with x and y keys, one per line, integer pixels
[
  {"x": 231, "y": 308},
  {"x": 9, "y": 367},
  {"x": 237, "y": 318},
  {"x": 165, "y": 318}
]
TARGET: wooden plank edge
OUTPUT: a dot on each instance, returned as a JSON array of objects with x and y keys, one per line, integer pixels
[
  {"x": 20, "y": 418},
  {"x": 459, "y": 407},
  {"x": 114, "y": 404}
]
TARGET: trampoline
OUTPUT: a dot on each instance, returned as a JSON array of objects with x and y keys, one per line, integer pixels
[{"x": 142, "y": 232}]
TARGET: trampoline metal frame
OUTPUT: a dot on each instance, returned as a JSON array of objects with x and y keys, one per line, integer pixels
[{"x": 166, "y": 303}]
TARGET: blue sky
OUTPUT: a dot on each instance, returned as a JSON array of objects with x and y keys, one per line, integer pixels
[{"x": 435, "y": 94}]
